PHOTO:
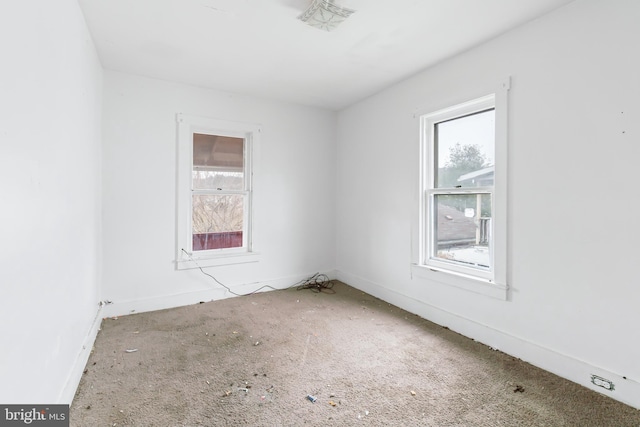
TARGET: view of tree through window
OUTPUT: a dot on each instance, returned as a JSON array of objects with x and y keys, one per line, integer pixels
[
  {"x": 217, "y": 214},
  {"x": 462, "y": 159},
  {"x": 463, "y": 145},
  {"x": 465, "y": 161}
]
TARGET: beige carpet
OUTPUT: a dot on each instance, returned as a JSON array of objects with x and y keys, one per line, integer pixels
[{"x": 253, "y": 360}]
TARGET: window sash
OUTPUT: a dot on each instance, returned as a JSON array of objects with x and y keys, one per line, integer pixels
[
  {"x": 440, "y": 137},
  {"x": 245, "y": 193}
]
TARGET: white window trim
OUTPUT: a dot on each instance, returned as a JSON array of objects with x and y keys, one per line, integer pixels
[
  {"x": 492, "y": 283},
  {"x": 186, "y": 258}
]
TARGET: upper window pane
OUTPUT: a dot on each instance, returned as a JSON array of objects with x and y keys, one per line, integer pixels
[
  {"x": 464, "y": 150},
  {"x": 218, "y": 162}
]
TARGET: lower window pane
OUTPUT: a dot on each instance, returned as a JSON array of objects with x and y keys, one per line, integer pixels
[
  {"x": 463, "y": 229},
  {"x": 217, "y": 221}
]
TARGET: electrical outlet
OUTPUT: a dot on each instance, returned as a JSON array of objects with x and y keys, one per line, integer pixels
[{"x": 602, "y": 382}]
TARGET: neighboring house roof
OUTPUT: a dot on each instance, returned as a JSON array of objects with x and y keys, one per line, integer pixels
[
  {"x": 484, "y": 174},
  {"x": 454, "y": 226}
]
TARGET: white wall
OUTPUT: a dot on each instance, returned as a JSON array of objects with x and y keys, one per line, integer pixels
[
  {"x": 50, "y": 103},
  {"x": 574, "y": 234},
  {"x": 294, "y": 226},
  {"x": 573, "y": 150}
]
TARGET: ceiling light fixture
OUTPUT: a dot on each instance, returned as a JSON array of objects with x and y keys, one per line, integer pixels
[{"x": 325, "y": 15}]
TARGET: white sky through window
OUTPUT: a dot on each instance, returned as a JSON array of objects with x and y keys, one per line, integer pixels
[{"x": 476, "y": 129}]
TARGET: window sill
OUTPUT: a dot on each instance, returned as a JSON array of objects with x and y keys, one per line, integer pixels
[
  {"x": 217, "y": 260},
  {"x": 461, "y": 281}
]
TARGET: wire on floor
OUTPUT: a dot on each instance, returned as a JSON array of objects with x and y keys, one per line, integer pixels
[
  {"x": 222, "y": 284},
  {"x": 317, "y": 283}
]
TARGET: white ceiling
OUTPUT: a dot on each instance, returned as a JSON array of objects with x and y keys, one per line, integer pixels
[{"x": 259, "y": 48}]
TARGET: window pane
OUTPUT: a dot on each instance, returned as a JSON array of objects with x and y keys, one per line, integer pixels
[
  {"x": 463, "y": 229},
  {"x": 218, "y": 162},
  {"x": 217, "y": 221},
  {"x": 464, "y": 151},
  {"x": 217, "y": 180}
]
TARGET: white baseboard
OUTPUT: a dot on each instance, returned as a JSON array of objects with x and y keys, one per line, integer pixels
[
  {"x": 68, "y": 392},
  {"x": 626, "y": 390},
  {"x": 122, "y": 308}
]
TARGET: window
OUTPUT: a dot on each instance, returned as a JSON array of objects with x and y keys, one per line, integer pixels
[
  {"x": 219, "y": 192},
  {"x": 463, "y": 194},
  {"x": 215, "y": 177},
  {"x": 460, "y": 188}
]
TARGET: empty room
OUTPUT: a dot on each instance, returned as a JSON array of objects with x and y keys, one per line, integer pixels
[{"x": 316, "y": 212}]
